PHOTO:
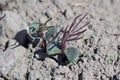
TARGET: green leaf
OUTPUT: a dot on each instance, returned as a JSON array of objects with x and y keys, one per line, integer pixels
[
  {"x": 33, "y": 29},
  {"x": 50, "y": 33},
  {"x": 53, "y": 48},
  {"x": 92, "y": 36},
  {"x": 72, "y": 54},
  {"x": 110, "y": 60}
]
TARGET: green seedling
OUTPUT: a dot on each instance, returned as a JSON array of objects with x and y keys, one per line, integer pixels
[
  {"x": 110, "y": 60},
  {"x": 37, "y": 30},
  {"x": 72, "y": 33},
  {"x": 49, "y": 35}
]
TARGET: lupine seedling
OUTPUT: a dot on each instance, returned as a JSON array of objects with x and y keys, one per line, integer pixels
[
  {"x": 33, "y": 30},
  {"x": 37, "y": 30},
  {"x": 72, "y": 33},
  {"x": 110, "y": 60},
  {"x": 69, "y": 33}
]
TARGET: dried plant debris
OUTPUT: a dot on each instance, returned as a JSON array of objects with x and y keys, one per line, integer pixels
[{"x": 2, "y": 17}]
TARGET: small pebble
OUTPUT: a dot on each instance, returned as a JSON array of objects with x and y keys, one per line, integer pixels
[
  {"x": 37, "y": 56},
  {"x": 49, "y": 14}
]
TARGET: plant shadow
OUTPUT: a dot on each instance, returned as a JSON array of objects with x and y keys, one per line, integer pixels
[
  {"x": 42, "y": 54},
  {"x": 24, "y": 39}
]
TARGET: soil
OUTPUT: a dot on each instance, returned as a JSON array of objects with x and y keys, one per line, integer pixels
[{"x": 99, "y": 48}]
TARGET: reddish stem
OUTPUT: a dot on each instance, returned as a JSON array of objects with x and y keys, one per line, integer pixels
[
  {"x": 70, "y": 32},
  {"x": 44, "y": 41}
]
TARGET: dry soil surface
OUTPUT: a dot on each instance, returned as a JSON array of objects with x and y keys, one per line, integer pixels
[{"x": 100, "y": 47}]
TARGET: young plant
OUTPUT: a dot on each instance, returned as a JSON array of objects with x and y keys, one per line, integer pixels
[
  {"x": 37, "y": 31},
  {"x": 110, "y": 60},
  {"x": 72, "y": 33}
]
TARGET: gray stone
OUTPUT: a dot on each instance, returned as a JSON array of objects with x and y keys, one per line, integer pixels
[
  {"x": 49, "y": 14},
  {"x": 10, "y": 56},
  {"x": 37, "y": 56},
  {"x": 12, "y": 23}
]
